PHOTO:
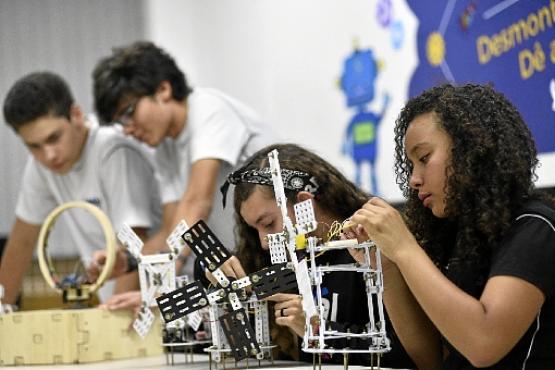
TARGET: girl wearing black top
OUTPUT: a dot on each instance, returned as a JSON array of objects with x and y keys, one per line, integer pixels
[
  {"x": 470, "y": 271},
  {"x": 307, "y": 176}
]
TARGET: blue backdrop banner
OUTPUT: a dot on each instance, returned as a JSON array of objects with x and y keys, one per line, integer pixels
[{"x": 508, "y": 43}]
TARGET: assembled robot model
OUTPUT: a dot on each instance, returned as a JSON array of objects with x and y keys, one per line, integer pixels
[
  {"x": 220, "y": 344},
  {"x": 225, "y": 302},
  {"x": 157, "y": 276},
  {"x": 291, "y": 251},
  {"x": 293, "y": 240},
  {"x": 186, "y": 335}
]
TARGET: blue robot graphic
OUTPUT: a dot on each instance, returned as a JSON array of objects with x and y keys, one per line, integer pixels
[{"x": 358, "y": 83}]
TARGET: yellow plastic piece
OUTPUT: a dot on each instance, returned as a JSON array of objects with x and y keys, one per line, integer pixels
[{"x": 300, "y": 241}]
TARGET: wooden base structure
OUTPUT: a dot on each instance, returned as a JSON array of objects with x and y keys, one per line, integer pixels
[{"x": 72, "y": 336}]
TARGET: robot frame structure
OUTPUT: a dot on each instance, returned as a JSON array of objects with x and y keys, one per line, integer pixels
[
  {"x": 292, "y": 240},
  {"x": 227, "y": 301},
  {"x": 157, "y": 276},
  {"x": 285, "y": 249}
]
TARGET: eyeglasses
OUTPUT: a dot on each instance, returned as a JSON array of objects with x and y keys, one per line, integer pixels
[{"x": 127, "y": 115}]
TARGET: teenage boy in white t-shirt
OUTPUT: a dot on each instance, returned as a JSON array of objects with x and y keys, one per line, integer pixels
[
  {"x": 72, "y": 158},
  {"x": 199, "y": 134}
]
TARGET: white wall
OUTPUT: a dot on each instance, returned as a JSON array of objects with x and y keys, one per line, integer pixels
[
  {"x": 284, "y": 58},
  {"x": 62, "y": 36}
]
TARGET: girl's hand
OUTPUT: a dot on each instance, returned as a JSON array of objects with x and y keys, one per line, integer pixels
[
  {"x": 99, "y": 259},
  {"x": 385, "y": 227},
  {"x": 231, "y": 268},
  {"x": 356, "y": 232},
  {"x": 289, "y": 311}
]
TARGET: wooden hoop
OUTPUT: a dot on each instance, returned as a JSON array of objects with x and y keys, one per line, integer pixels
[{"x": 45, "y": 262}]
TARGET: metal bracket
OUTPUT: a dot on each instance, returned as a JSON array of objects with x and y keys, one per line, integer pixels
[
  {"x": 240, "y": 335},
  {"x": 182, "y": 301},
  {"x": 174, "y": 240},
  {"x": 272, "y": 280},
  {"x": 206, "y": 245}
]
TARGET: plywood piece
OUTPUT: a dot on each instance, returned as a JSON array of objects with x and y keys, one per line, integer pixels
[{"x": 72, "y": 336}]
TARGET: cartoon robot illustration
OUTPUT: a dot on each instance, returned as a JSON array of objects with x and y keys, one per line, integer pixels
[{"x": 361, "y": 140}]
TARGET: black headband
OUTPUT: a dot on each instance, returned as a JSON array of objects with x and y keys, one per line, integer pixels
[{"x": 292, "y": 180}]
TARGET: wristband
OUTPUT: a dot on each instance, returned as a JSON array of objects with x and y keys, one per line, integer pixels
[{"x": 132, "y": 263}]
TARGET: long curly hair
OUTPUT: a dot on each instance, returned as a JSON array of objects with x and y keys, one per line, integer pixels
[
  {"x": 491, "y": 171},
  {"x": 336, "y": 196}
]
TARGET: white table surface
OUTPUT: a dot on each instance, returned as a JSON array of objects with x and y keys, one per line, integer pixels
[{"x": 200, "y": 363}]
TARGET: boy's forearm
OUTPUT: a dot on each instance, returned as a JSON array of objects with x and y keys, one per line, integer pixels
[
  {"x": 127, "y": 282},
  {"x": 15, "y": 261}
]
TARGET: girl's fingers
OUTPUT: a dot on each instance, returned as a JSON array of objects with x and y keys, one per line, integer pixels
[
  {"x": 238, "y": 270},
  {"x": 379, "y": 202}
]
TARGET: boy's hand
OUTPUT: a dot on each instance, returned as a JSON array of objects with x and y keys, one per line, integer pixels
[
  {"x": 99, "y": 260},
  {"x": 124, "y": 301}
]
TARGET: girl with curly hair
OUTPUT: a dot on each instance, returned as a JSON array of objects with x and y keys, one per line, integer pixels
[
  {"x": 306, "y": 176},
  {"x": 470, "y": 270}
]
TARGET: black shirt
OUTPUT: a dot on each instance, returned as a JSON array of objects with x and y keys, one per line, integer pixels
[{"x": 527, "y": 252}]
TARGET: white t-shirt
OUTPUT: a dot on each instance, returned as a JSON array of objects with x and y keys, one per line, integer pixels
[
  {"x": 217, "y": 127},
  {"x": 114, "y": 172}
]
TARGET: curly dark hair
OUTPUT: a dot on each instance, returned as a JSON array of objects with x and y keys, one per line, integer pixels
[
  {"x": 133, "y": 71},
  {"x": 492, "y": 170},
  {"x": 336, "y": 196},
  {"x": 36, "y": 95}
]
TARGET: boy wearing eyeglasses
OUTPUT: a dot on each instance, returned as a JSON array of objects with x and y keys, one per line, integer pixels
[{"x": 199, "y": 134}]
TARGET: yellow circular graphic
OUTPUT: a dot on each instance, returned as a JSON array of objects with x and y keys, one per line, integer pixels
[{"x": 435, "y": 49}]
